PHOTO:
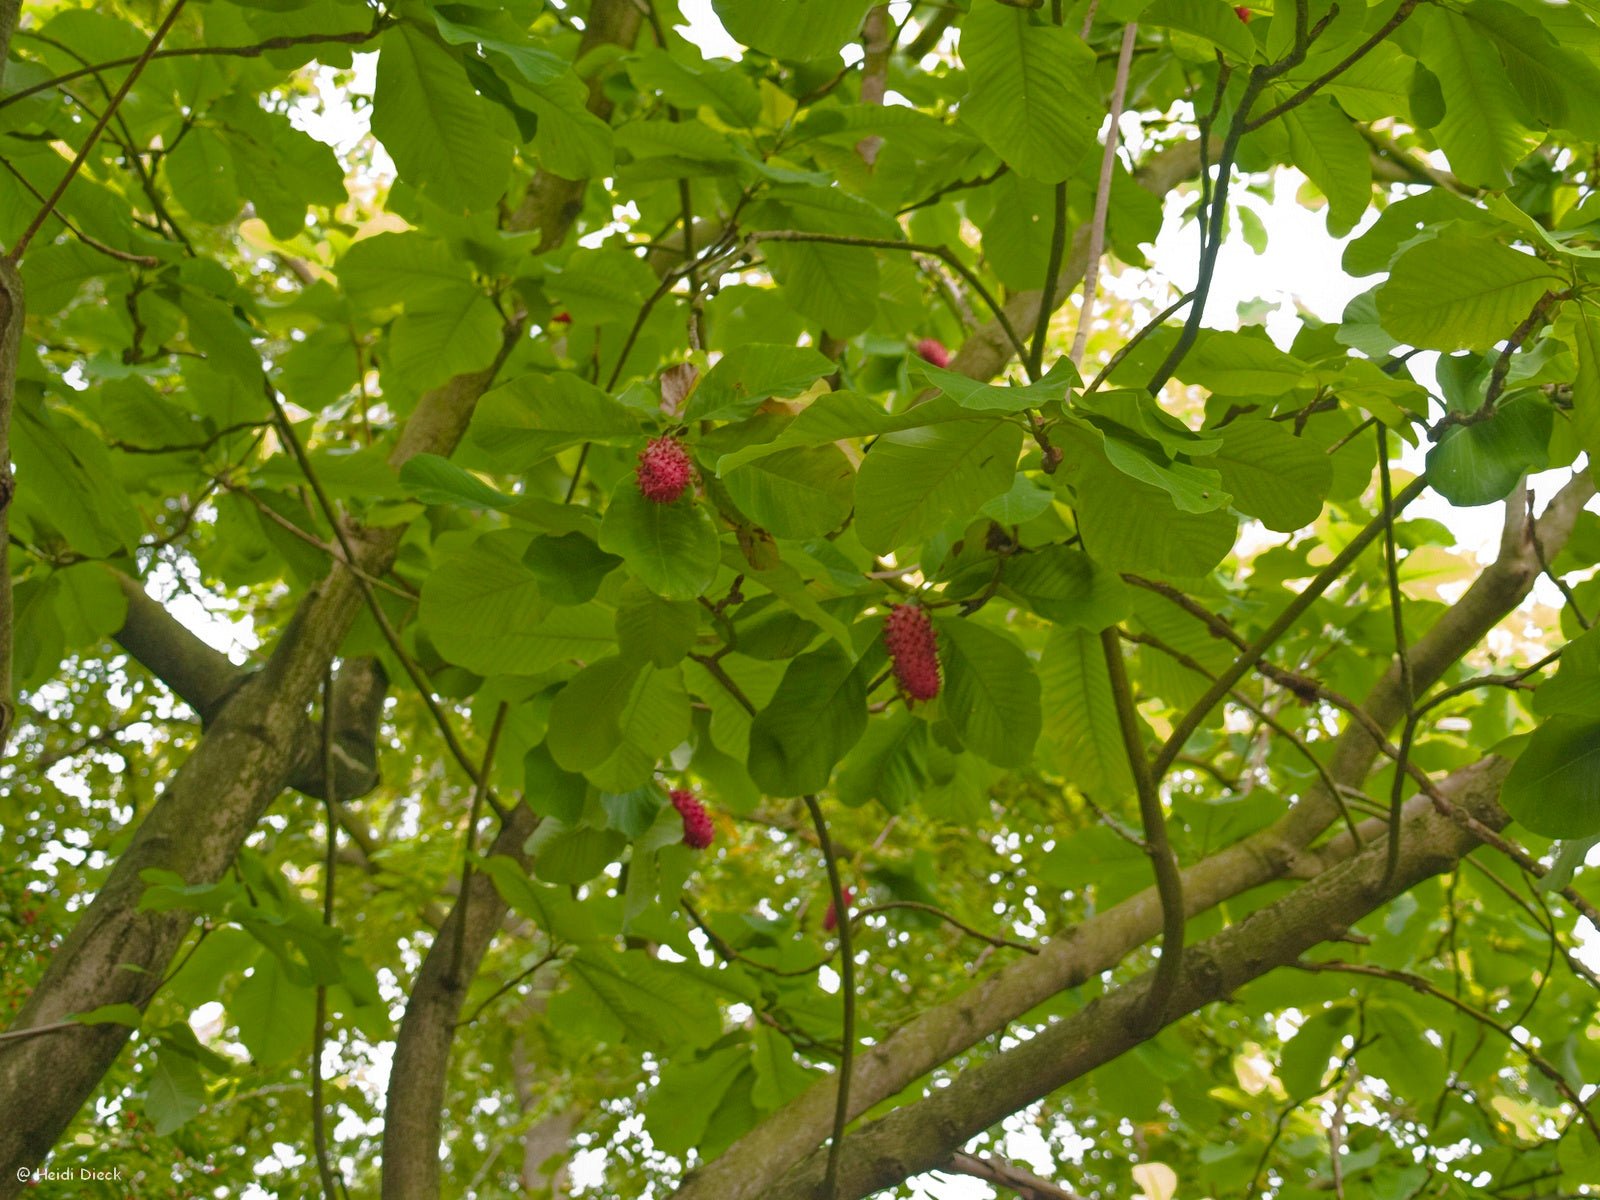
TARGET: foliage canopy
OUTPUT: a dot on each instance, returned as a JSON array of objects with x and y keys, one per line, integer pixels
[{"x": 332, "y": 333}]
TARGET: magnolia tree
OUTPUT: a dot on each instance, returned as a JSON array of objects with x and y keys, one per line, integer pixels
[{"x": 767, "y": 650}]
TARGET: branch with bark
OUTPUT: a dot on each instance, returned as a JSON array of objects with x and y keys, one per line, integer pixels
[
  {"x": 244, "y": 760},
  {"x": 923, "y": 1135}
]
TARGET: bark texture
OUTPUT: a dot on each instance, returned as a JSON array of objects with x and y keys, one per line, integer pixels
[
  {"x": 412, "y": 1115},
  {"x": 922, "y": 1136}
]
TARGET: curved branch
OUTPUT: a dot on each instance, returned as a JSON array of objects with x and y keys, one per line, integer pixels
[{"x": 922, "y": 1135}]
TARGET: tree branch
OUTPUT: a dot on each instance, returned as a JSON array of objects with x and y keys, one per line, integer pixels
[{"x": 920, "y": 1136}]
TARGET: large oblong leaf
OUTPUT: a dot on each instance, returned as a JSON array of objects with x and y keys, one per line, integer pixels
[
  {"x": 1481, "y": 463},
  {"x": 670, "y": 548},
  {"x": 529, "y": 418},
  {"x": 1031, "y": 91},
  {"x": 444, "y": 140},
  {"x": 913, "y": 483},
  {"x": 1554, "y": 786},
  {"x": 1082, "y": 732},
  {"x": 818, "y": 712},
  {"x": 1456, "y": 292},
  {"x": 991, "y": 692},
  {"x": 1274, "y": 476}
]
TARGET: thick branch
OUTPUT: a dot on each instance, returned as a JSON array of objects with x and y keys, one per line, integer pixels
[
  {"x": 747, "y": 1169},
  {"x": 923, "y": 1135},
  {"x": 243, "y": 761},
  {"x": 422, "y": 1049}
]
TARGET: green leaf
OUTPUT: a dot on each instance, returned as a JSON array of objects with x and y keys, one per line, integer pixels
[
  {"x": 175, "y": 1092},
  {"x": 889, "y": 764},
  {"x": 1457, "y": 292},
  {"x": 1335, "y": 157},
  {"x": 991, "y": 692},
  {"x": 983, "y": 397},
  {"x": 1481, "y": 463},
  {"x": 444, "y": 141},
  {"x": 670, "y": 548},
  {"x": 408, "y": 269},
  {"x": 747, "y": 375},
  {"x": 1129, "y": 526},
  {"x": 1585, "y": 338},
  {"x": 436, "y": 480},
  {"x": 651, "y": 1001},
  {"x": 659, "y": 630},
  {"x": 199, "y": 170},
  {"x": 66, "y": 484},
  {"x": 799, "y": 493},
  {"x": 483, "y": 610},
  {"x": 552, "y": 792},
  {"x": 836, "y": 286},
  {"x": 680, "y": 1106},
  {"x": 1209, "y": 19},
  {"x": 585, "y": 714},
  {"x": 779, "y": 1075},
  {"x": 1306, "y": 1056},
  {"x": 798, "y": 31},
  {"x": 1274, "y": 476},
  {"x": 573, "y": 856},
  {"x": 1483, "y": 130},
  {"x": 527, "y": 419},
  {"x": 1031, "y": 91},
  {"x": 818, "y": 712},
  {"x": 273, "y": 1013},
  {"x": 1066, "y": 586},
  {"x": 911, "y": 484},
  {"x": 1082, "y": 731},
  {"x": 654, "y": 719},
  {"x": 1554, "y": 786}
]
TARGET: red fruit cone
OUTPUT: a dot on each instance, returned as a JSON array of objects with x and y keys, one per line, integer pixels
[
  {"x": 664, "y": 470},
  {"x": 697, "y": 828},
  {"x": 913, "y": 650},
  {"x": 932, "y": 350}
]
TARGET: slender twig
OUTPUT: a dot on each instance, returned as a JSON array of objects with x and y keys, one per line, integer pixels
[
  {"x": 1561, "y": 584},
  {"x": 943, "y": 253},
  {"x": 470, "y": 840},
  {"x": 934, "y": 910},
  {"x": 138, "y": 260},
  {"x": 1338, "y": 69},
  {"x": 1501, "y": 368},
  {"x": 1169, "y": 884},
  {"x": 1418, "y": 984},
  {"x": 1033, "y": 360},
  {"x": 847, "y": 985},
  {"x": 728, "y": 954},
  {"x": 319, "y": 1029},
  {"x": 182, "y": 447},
  {"x": 49, "y": 205},
  {"x": 545, "y": 960},
  {"x": 1391, "y": 558},
  {"x": 310, "y": 539},
  {"x": 1335, "y": 793},
  {"x": 1149, "y": 327},
  {"x": 1191, "y": 720},
  {"x": 385, "y": 626},
  {"x": 252, "y": 51},
  {"x": 1102, "y": 195}
]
